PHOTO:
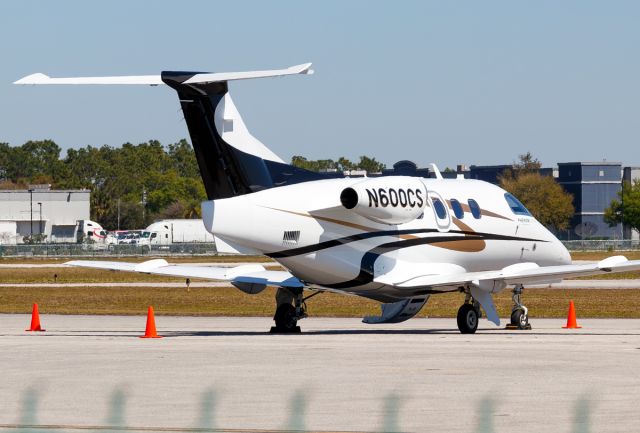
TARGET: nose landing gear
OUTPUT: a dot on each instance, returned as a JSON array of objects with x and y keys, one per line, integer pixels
[{"x": 519, "y": 313}]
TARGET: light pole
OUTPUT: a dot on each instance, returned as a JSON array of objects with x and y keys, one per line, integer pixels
[
  {"x": 144, "y": 203},
  {"x": 40, "y": 228},
  {"x": 31, "y": 205}
]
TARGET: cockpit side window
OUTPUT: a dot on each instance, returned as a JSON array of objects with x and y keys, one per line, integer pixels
[
  {"x": 515, "y": 205},
  {"x": 475, "y": 209},
  {"x": 457, "y": 208}
]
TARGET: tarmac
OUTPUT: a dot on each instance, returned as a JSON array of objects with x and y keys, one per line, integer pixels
[{"x": 92, "y": 372}]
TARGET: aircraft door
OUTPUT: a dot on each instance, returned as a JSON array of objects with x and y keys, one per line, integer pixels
[{"x": 443, "y": 218}]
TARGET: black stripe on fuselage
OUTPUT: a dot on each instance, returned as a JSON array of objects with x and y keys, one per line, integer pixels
[
  {"x": 344, "y": 240},
  {"x": 368, "y": 259},
  {"x": 469, "y": 235}
]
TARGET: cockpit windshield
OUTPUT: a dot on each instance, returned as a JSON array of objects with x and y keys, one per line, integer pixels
[{"x": 515, "y": 205}]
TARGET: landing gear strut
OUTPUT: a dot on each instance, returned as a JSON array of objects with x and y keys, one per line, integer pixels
[
  {"x": 291, "y": 308},
  {"x": 469, "y": 315},
  {"x": 519, "y": 313}
]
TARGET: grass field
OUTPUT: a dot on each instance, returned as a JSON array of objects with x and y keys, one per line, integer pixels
[{"x": 230, "y": 301}]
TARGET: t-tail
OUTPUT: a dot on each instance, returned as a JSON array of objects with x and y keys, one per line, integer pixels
[{"x": 232, "y": 162}]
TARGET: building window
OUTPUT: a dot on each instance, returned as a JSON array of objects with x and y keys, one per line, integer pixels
[
  {"x": 515, "y": 205},
  {"x": 601, "y": 173},
  {"x": 457, "y": 208},
  {"x": 475, "y": 209}
]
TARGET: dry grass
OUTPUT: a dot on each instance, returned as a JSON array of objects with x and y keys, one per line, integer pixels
[{"x": 232, "y": 302}]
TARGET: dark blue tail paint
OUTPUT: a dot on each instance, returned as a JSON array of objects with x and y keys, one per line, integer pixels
[{"x": 225, "y": 170}]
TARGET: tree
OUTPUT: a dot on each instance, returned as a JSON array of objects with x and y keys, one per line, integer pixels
[
  {"x": 370, "y": 164},
  {"x": 547, "y": 201},
  {"x": 527, "y": 163},
  {"x": 627, "y": 209},
  {"x": 342, "y": 164}
]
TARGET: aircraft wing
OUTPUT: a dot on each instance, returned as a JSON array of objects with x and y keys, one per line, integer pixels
[
  {"x": 483, "y": 284},
  {"x": 521, "y": 273},
  {"x": 250, "y": 278}
]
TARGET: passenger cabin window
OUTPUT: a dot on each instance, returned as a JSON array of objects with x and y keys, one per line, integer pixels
[
  {"x": 475, "y": 209},
  {"x": 457, "y": 208},
  {"x": 515, "y": 205},
  {"x": 439, "y": 207}
]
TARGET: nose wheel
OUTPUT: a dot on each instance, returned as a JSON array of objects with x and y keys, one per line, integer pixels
[{"x": 519, "y": 313}]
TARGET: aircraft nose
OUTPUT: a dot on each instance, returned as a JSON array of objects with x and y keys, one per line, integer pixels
[{"x": 563, "y": 253}]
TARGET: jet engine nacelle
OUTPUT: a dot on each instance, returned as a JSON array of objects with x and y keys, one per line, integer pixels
[{"x": 387, "y": 200}]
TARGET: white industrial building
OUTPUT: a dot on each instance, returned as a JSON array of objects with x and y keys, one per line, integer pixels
[{"x": 41, "y": 210}]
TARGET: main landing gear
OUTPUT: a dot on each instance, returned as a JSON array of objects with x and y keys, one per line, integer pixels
[
  {"x": 468, "y": 315},
  {"x": 291, "y": 308},
  {"x": 519, "y": 313}
]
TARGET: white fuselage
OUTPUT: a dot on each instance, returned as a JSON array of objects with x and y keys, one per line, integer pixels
[{"x": 307, "y": 229}]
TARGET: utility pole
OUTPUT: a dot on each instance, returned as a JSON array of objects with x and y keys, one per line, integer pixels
[{"x": 118, "y": 214}]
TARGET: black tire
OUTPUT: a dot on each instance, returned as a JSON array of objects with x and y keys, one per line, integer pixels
[
  {"x": 467, "y": 319},
  {"x": 285, "y": 318},
  {"x": 519, "y": 318}
]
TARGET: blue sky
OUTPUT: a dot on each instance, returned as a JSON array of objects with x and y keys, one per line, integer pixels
[{"x": 446, "y": 82}]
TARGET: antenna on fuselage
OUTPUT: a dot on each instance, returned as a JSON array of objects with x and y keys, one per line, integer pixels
[{"x": 435, "y": 170}]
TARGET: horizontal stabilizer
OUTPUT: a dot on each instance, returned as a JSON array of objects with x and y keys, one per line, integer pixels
[
  {"x": 151, "y": 80},
  {"x": 155, "y": 80},
  {"x": 304, "y": 69}
]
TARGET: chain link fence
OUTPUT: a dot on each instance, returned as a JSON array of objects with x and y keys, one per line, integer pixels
[
  {"x": 93, "y": 250},
  {"x": 602, "y": 245}
]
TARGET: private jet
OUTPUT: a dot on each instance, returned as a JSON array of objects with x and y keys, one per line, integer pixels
[{"x": 398, "y": 240}]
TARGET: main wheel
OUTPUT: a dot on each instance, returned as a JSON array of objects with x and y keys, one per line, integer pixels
[
  {"x": 467, "y": 319},
  {"x": 285, "y": 318},
  {"x": 519, "y": 318}
]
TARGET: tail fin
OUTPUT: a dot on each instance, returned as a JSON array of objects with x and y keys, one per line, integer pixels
[{"x": 232, "y": 162}]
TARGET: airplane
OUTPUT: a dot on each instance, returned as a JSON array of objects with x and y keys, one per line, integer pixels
[{"x": 396, "y": 239}]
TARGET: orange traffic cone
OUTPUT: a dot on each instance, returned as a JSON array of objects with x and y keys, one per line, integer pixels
[
  {"x": 35, "y": 320},
  {"x": 571, "y": 318},
  {"x": 150, "y": 331}
]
